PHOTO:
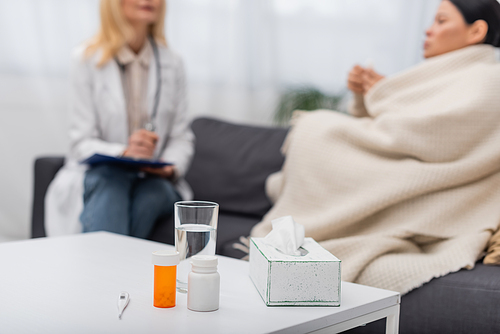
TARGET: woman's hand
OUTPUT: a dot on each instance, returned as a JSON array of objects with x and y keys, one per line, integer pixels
[
  {"x": 141, "y": 144},
  {"x": 361, "y": 80},
  {"x": 355, "y": 80},
  {"x": 370, "y": 78},
  {"x": 166, "y": 172}
]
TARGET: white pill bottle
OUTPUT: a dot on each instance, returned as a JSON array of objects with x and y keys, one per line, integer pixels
[{"x": 203, "y": 284}]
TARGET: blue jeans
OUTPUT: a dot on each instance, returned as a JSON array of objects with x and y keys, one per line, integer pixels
[{"x": 124, "y": 201}]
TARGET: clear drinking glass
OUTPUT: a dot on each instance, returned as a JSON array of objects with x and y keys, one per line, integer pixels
[{"x": 195, "y": 234}]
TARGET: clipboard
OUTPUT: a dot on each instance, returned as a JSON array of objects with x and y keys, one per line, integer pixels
[{"x": 100, "y": 159}]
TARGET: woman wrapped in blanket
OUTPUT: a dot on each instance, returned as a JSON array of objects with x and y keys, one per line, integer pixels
[
  {"x": 457, "y": 24},
  {"x": 409, "y": 189}
]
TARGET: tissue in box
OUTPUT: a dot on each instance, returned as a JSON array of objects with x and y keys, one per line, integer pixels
[{"x": 287, "y": 280}]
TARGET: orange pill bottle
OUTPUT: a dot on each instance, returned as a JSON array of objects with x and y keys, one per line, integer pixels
[{"x": 164, "y": 278}]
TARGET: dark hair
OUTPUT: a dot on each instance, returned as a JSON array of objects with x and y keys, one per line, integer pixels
[{"x": 487, "y": 10}]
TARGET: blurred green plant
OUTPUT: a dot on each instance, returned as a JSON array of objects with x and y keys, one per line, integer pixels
[{"x": 307, "y": 99}]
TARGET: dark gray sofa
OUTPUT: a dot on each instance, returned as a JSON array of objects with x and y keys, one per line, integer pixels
[{"x": 230, "y": 166}]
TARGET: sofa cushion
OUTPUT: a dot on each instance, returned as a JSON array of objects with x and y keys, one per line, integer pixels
[
  {"x": 230, "y": 228},
  {"x": 465, "y": 302},
  {"x": 45, "y": 171},
  {"x": 231, "y": 164}
]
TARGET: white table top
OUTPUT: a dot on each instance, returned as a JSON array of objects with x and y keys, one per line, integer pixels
[{"x": 71, "y": 285}]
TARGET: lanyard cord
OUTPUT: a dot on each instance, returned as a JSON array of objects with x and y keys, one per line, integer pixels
[{"x": 158, "y": 79}]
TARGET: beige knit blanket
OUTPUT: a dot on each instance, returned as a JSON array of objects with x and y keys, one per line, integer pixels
[{"x": 410, "y": 192}]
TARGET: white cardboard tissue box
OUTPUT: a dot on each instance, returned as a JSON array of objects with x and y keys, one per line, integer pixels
[{"x": 312, "y": 279}]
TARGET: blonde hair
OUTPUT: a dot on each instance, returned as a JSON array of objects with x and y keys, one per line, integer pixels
[{"x": 116, "y": 31}]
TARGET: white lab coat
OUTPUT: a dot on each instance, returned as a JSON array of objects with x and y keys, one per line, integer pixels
[{"x": 98, "y": 124}]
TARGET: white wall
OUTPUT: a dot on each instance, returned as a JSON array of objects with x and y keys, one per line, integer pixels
[
  {"x": 239, "y": 55},
  {"x": 31, "y": 109}
]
